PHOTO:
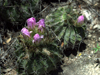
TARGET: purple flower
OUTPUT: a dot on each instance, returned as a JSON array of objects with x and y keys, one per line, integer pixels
[
  {"x": 25, "y": 32},
  {"x": 31, "y": 22},
  {"x": 41, "y": 24},
  {"x": 37, "y": 38},
  {"x": 80, "y": 19}
]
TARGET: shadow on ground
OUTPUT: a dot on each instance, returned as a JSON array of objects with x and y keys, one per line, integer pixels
[{"x": 74, "y": 51}]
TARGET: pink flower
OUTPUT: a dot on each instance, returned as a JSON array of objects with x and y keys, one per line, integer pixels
[
  {"x": 37, "y": 38},
  {"x": 25, "y": 32},
  {"x": 41, "y": 24},
  {"x": 31, "y": 22},
  {"x": 80, "y": 19}
]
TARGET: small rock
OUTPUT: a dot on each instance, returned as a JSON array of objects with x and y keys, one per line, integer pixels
[
  {"x": 99, "y": 39},
  {"x": 10, "y": 72},
  {"x": 89, "y": 35},
  {"x": 87, "y": 14},
  {"x": 94, "y": 37},
  {"x": 94, "y": 22},
  {"x": 97, "y": 26},
  {"x": 93, "y": 42},
  {"x": 7, "y": 70},
  {"x": 89, "y": 56},
  {"x": 74, "y": 9},
  {"x": 88, "y": 44},
  {"x": 92, "y": 52},
  {"x": 93, "y": 46}
]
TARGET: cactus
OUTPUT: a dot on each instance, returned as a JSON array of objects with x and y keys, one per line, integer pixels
[
  {"x": 64, "y": 24},
  {"x": 16, "y": 12},
  {"x": 37, "y": 52}
]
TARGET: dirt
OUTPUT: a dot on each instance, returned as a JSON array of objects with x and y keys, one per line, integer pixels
[{"x": 82, "y": 61}]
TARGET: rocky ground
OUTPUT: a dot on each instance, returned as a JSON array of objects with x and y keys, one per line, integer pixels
[{"x": 76, "y": 62}]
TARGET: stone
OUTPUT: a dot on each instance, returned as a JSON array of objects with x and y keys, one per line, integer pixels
[
  {"x": 93, "y": 42},
  {"x": 94, "y": 22},
  {"x": 87, "y": 14},
  {"x": 94, "y": 37},
  {"x": 99, "y": 39},
  {"x": 89, "y": 35},
  {"x": 97, "y": 26},
  {"x": 92, "y": 52}
]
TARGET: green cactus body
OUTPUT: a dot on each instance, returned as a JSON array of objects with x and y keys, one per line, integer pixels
[
  {"x": 62, "y": 22},
  {"x": 16, "y": 12},
  {"x": 43, "y": 60},
  {"x": 37, "y": 59}
]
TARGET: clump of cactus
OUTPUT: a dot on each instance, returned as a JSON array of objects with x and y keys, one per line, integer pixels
[
  {"x": 37, "y": 51},
  {"x": 40, "y": 43},
  {"x": 67, "y": 25}
]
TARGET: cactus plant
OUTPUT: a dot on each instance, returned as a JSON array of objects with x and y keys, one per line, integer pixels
[
  {"x": 67, "y": 27},
  {"x": 38, "y": 47},
  {"x": 16, "y": 12},
  {"x": 37, "y": 52}
]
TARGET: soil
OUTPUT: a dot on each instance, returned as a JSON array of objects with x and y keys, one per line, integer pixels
[{"x": 80, "y": 61}]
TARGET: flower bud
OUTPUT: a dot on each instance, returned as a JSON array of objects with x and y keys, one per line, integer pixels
[
  {"x": 37, "y": 38},
  {"x": 41, "y": 24},
  {"x": 25, "y": 32},
  {"x": 31, "y": 22},
  {"x": 80, "y": 19}
]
